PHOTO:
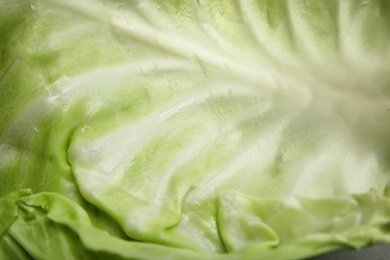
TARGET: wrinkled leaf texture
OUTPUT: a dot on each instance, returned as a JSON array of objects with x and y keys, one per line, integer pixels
[{"x": 193, "y": 129}]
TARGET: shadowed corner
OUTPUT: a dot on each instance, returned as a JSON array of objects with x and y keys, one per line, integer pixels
[{"x": 374, "y": 252}]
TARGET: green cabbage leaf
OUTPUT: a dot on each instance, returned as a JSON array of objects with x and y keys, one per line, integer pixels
[{"x": 150, "y": 129}]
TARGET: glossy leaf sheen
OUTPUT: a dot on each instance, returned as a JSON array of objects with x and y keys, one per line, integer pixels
[{"x": 193, "y": 129}]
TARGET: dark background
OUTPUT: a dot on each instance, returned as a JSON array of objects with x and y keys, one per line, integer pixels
[{"x": 376, "y": 252}]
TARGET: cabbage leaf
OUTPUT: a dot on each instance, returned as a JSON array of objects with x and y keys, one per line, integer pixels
[{"x": 152, "y": 129}]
